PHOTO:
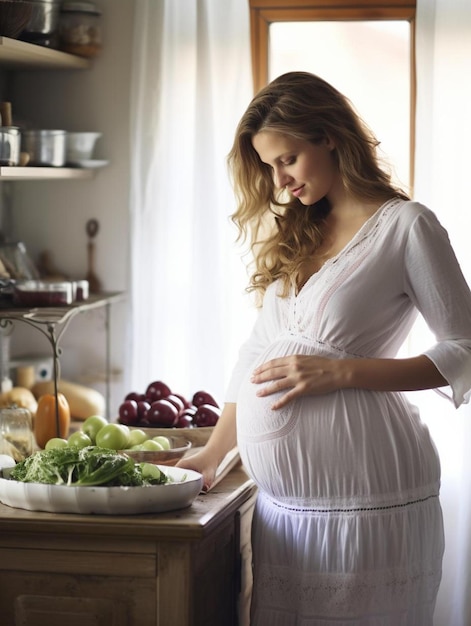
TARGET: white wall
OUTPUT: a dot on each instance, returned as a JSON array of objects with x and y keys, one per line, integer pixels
[{"x": 50, "y": 215}]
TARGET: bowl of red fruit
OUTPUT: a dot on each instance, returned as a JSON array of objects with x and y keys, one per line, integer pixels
[{"x": 159, "y": 411}]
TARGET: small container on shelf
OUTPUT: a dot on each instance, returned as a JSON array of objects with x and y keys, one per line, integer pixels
[
  {"x": 17, "y": 262},
  {"x": 10, "y": 142},
  {"x": 36, "y": 293},
  {"x": 81, "y": 290},
  {"x": 80, "y": 147},
  {"x": 80, "y": 29},
  {"x": 41, "y": 28},
  {"x": 45, "y": 148},
  {"x": 16, "y": 432}
]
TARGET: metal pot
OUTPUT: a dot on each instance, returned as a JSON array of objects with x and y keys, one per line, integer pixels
[
  {"x": 44, "y": 147},
  {"x": 44, "y": 18},
  {"x": 10, "y": 143}
]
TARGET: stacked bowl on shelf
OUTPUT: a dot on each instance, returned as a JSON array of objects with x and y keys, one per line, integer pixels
[{"x": 59, "y": 148}]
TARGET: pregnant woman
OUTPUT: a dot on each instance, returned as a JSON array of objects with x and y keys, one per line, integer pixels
[{"x": 348, "y": 527}]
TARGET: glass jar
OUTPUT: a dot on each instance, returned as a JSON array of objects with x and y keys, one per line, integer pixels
[
  {"x": 36, "y": 293},
  {"x": 80, "y": 29},
  {"x": 16, "y": 433}
]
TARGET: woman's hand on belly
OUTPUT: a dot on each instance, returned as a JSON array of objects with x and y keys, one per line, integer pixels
[
  {"x": 303, "y": 375},
  {"x": 300, "y": 375}
]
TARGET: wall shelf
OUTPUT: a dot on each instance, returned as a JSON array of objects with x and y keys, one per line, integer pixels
[
  {"x": 12, "y": 173},
  {"x": 17, "y": 55},
  {"x": 20, "y": 55},
  {"x": 59, "y": 314}
]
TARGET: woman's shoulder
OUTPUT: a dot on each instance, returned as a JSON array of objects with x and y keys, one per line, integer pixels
[{"x": 409, "y": 212}]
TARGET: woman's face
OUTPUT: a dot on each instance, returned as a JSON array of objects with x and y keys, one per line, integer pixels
[{"x": 308, "y": 171}]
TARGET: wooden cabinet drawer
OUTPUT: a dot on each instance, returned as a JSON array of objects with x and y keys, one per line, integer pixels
[{"x": 29, "y": 599}]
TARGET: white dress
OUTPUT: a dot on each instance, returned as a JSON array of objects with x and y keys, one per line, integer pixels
[{"x": 348, "y": 526}]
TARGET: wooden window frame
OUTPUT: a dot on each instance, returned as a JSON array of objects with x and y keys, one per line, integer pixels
[{"x": 265, "y": 12}]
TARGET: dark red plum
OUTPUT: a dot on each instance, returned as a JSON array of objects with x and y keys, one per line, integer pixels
[
  {"x": 162, "y": 413},
  {"x": 128, "y": 413},
  {"x": 203, "y": 397},
  {"x": 157, "y": 391},
  {"x": 206, "y": 415}
]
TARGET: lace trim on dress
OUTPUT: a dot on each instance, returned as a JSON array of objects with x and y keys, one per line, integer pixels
[
  {"x": 324, "y": 347},
  {"x": 347, "y": 595},
  {"x": 355, "y": 505},
  {"x": 359, "y": 241},
  {"x": 336, "y": 270}
]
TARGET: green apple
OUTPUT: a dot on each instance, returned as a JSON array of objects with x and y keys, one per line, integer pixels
[
  {"x": 126, "y": 432},
  {"x": 136, "y": 436},
  {"x": 56, "y": 442},
  {"x": 79, "y": 439},
  {"x": 92, "y": 425},
  {"x": 150, "y": 471},
  {"x": 152, "y": 445},
  {"x": 164, "y": 441},
  {"x": 113, "y": 437}
]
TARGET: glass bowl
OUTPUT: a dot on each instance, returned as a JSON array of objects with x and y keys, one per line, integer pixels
[{"x": 179, "y": 447}]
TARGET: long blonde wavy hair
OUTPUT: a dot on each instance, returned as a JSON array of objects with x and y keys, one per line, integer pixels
[{"x": 282, "y": 232}]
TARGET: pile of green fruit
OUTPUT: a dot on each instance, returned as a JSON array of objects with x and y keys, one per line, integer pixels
[{"x": 97, "y": 431}]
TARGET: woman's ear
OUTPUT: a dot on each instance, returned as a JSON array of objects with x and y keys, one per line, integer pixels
[{"x": 329, "y": 143}]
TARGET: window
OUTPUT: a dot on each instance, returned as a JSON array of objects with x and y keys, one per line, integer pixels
[{"x": 366, "y": 51}]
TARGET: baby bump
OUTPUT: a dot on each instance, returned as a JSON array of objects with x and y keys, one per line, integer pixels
[
  {"x": 255, "y": 417},
  {"x": 343, "y": 443},
  {"x": 256, "y": 420}
]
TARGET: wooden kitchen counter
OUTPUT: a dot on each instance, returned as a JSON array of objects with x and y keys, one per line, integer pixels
[{"x": 183, "y": 568}]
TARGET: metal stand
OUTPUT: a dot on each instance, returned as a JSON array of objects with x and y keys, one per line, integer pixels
[{"x": 53, "y": 322}]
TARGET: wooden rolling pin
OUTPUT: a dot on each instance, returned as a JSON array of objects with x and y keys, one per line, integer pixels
[{"x": 5, "y": 114}]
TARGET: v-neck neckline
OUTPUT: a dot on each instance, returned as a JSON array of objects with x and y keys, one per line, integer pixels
[{"x": 352, "y": 242}]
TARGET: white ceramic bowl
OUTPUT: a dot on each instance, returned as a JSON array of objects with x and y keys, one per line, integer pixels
[
  {"x": 80, "y": 147},
  {"x": 178, "y": 494}
]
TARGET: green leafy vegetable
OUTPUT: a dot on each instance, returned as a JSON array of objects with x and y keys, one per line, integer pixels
[{"x": 90, "y": 466}]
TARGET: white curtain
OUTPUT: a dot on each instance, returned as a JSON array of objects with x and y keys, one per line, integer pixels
[
  {"x": 191, "y": 83},
  {"x": 443, "y": 164}
]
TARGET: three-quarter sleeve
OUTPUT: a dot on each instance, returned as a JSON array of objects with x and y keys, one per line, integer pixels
[{"x": 436, "y": 285}]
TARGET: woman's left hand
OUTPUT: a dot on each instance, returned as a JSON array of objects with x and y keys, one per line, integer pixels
[{"x": 300, "y": 374}]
